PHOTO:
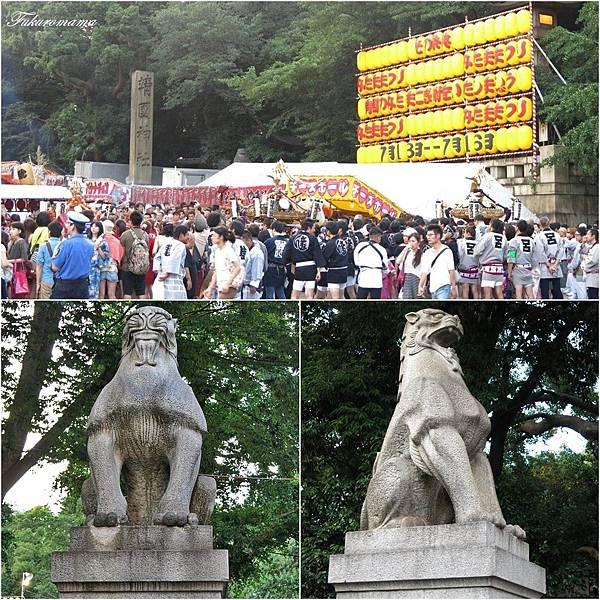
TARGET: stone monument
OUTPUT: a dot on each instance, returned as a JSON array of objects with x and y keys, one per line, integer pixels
[
  {"x": 146, "y": 428},
  {"x": 431, "y": 523}
]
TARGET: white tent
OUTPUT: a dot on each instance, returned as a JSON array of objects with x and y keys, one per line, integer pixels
[{"x": 415, "y": 187}]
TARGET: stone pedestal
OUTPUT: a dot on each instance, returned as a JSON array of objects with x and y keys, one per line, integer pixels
[
  {"x": 476, "y": 560},
  {"x": 141, "y": 562}
]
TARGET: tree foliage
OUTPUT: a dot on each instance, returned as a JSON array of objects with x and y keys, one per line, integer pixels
[
  {"x": 519, "y": 360},
  {"x": 275, "y": 77},
  {"x": 573, "y": 107},
  {"x": 28, "y": 540},
  {"x": 241, "y": 360}
]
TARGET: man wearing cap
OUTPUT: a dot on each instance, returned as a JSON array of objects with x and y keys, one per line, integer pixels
[{"x": 71, "y": 261}]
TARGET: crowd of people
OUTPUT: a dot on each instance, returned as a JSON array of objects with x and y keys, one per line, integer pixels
[{"x": 188, "y": 252}]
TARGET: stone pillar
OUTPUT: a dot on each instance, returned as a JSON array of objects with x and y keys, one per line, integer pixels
[
  {"x": 141, "y": 128},
  {"x": 476, "y": 560},
  {"x": 141, "y": 562}
]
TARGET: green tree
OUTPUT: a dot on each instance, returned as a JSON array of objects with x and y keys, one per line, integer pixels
[
  {"x": 28, "y": 540},
  {"x": 275, "y": 575},
  {"x": 239, "y": 358},
  {"x": 520, "y": 360},
  {"x": 573, "y": 107}
]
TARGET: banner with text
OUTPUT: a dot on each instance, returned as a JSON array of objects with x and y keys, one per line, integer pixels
[{"x": 477, "y": 99}]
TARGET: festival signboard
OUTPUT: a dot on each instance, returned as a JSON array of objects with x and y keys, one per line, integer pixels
[
  {"x": 345, "y": 193},
  {"x": 457, "y": 93}
]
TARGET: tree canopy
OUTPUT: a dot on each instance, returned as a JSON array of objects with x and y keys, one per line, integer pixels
[
  {"x": 274, "y": 77},
  {"x": 240, "y": 359},
  {"x": 526, "y": 363}
]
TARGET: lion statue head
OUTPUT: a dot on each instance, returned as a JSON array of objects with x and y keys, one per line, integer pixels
[
  {"x": 434, "y": 329},
  {"x": 146, "y": 330}
]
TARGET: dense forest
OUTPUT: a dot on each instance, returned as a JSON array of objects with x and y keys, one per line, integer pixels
[
  {"x": 534, "y": 369},
  {"x": 274, "y": 77},
  {"x": 241, "y": 360}
]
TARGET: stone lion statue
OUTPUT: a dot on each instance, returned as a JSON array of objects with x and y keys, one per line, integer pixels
[
  {"x": 147, "y": 426},
  {"x": 431, "y": 469}
]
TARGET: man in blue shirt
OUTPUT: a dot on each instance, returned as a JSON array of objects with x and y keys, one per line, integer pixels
[
  {"x": 71, "y": 261},
  {"x": 43, "y": 268}
]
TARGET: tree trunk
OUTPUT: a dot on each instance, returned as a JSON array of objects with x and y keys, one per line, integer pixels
[
  {"x": 15, "y": 471},
  {"x": 501, "y": 422},
  {"x": 25, "y": 404}
]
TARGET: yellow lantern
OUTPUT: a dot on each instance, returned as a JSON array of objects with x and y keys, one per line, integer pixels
[
  {"x": 427, "y": 149},
  {"x": 501, "y": 54},
  {"x": 362, "y": 155},
  {"x": 480, "y": 87},
  {"x": 402, "y": 99},
  {"x": 369, "y": 60},
  {"x": 361, "y": 59},
  {"x": 437, "y": 121},
  {"x": 448, "y": 120},
  {"x": 458, "y": 118},
  {"x": 457, "y": 37},
  {"x": 417, "y": 124},
  {"x": 362, "y": 109},
  {"x": 500, "y": 27},
  {"x": 457, "y": 65},
  {"x": 437, "y": 144},
  {"x": 523, "y": 21},
  {"x": 410, "y": 75},
  {"x": 402, "y": 51},
  {"x": 394, "y": 53},
  {"x": 527, "y": 45},
  {"x": 489, "y": 110},
  {"x": 479, "y": 32},
  {"x": 427, "y": 71},
  {"x": 386, "y": 55},
  {"x": 470, "y": 143},
  {"x": 458, "y": 90},
  {"x": 501, "y": 112},
  {"x": 501, "y": 83},
  {"x": 513, "y": 139},
  {"x": 524, "y": 79},
  {"x": 470, "y": 68},
  {"x": 489, "y": 26},
  {"x": 438, "y": 69},
  {"x": 411, "y": 124},
  {"x": 510, "y": 26},
  {"x": 512, "y": 108},
  {"x": 525, "y": 137},
  {"x": 461, "y": 139},
  {"x": 487, "y": 137},
  {"x": 502, "y": 139},
  {"x": 469, "y": 34},
  {"x": 374, "y": 154},
  {"x": 412, "y": 49}
]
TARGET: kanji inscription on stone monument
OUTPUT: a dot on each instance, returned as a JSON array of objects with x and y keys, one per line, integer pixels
[{"x": 140, "y": 139}]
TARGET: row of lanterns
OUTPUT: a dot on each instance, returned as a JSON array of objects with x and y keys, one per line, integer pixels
[
  {"x": 470, "y": 62},
  {"x": 450, "y": 119},
  {"x": 449, "y": 40},
  {"x": 502, "y": 140},
  {"x": 480, "y": 87}
]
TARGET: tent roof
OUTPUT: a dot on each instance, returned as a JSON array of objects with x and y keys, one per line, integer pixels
[
  {"x": 414, "y": 187},
  {"x": 35, "y": 192}
]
